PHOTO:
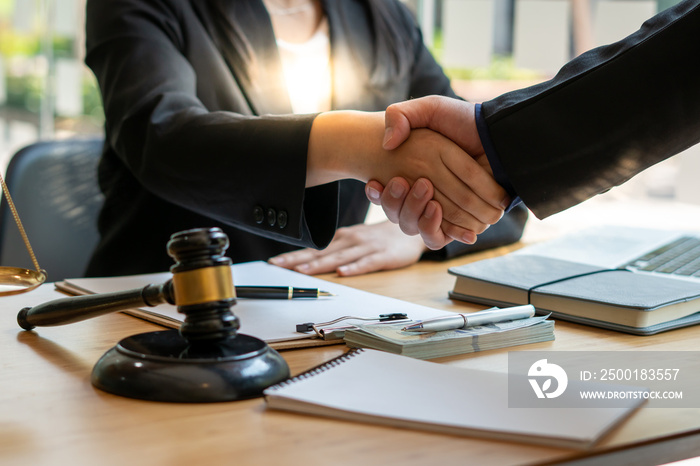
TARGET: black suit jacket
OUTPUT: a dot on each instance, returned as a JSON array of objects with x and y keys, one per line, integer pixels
[
  {"x": 606, "y": 116},
  {"x": 199, "y": 132}
]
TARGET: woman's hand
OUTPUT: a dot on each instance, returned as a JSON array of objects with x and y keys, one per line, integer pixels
[
  {"x": 412, "y": 208},
  {"x": 356, "y": 250}
]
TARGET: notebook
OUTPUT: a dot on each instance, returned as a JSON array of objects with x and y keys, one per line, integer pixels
[
  {"x": 383, "y": 388},
  {"x": 627, "y": 279}
]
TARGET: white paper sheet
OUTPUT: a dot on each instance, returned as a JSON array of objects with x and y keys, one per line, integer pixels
[{"x": 275, "y": 320}]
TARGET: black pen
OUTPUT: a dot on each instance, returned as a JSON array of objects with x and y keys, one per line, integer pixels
[{"x": 278, "y": 292}]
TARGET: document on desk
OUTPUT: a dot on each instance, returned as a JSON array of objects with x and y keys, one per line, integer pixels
[
  {"x": 273, "y": 320},
  {"x": 383, "y": 388}
]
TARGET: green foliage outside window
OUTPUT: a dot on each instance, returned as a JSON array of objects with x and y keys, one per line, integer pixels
[{"x": 25, "y": 68}]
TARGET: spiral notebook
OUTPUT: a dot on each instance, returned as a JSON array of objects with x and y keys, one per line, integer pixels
[{"x": 383, "y": 388}]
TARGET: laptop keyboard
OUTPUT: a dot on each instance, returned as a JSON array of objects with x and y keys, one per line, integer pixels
[{"x": 681, "y": 257}]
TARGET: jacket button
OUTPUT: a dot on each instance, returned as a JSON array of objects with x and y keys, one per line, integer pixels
[
  {"x": 271, "y": 217},
  {"x": 282, "y": 219},
  {"x": 258, "y": 214}
]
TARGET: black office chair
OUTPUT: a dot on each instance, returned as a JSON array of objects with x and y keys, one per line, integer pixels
[{"x": 54, "y": 187}]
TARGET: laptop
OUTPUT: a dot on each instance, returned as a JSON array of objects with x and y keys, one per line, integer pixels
[{"x": 669, "y": 253}]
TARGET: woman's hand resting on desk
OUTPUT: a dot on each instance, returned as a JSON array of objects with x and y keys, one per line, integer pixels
[{"x": 357, "y": 250}]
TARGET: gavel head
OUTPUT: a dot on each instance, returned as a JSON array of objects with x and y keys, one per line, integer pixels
[{"x": 203, "y": 284}]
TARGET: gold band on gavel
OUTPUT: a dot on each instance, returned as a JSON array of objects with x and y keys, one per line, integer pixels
[{"x": 203, "y": 285}]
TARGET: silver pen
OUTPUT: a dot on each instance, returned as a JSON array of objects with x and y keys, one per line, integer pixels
[{"x": 488, "y": 316}]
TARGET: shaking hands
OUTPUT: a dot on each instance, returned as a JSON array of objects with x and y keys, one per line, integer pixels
[
  {"x": 430, "y": 174},
  {"x": 414, "y": 208}
]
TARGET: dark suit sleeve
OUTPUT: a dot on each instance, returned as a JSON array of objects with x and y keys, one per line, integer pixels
[
  {"x": 606, "y": 116},
  {"x": 211, "y": 161}
]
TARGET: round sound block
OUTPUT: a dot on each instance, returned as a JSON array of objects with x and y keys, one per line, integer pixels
[{"x": 163, "y": 366}]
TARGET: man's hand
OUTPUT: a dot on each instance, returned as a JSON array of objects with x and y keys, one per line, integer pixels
[{"x": 452, "y": 118}]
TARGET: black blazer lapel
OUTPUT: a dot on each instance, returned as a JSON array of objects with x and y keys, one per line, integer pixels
[
  {"x": 352, "y": 51},
  {"x": 259, "y": 74}
]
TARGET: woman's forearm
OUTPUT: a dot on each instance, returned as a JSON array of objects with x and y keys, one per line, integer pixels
[{"x": 345, "y": 145}]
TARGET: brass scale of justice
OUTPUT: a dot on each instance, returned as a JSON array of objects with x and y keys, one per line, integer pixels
[{"x": 206, "y": 360}]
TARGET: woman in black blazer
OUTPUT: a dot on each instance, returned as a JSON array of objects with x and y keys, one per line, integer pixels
[{"x": 200, "y": 132}]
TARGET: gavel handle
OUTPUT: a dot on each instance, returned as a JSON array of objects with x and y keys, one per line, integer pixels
[{"x": 74, "y": 309}]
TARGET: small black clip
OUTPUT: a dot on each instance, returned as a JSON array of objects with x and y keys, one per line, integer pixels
[
  {"x": 310, "y": 326},
  {"x": 394, "y": 316},
  {"x": 305, "y": 327}
]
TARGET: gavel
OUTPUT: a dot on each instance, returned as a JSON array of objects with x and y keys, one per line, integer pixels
[
  {"x": 205, "y": 360},
  {"x": 201, "y": 287}
]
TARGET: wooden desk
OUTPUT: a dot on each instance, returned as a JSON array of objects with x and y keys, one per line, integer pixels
[{"x": 50, "y": 414}]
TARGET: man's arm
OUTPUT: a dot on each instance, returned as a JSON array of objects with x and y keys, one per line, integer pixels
[{"x": 606, "y": 116}]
